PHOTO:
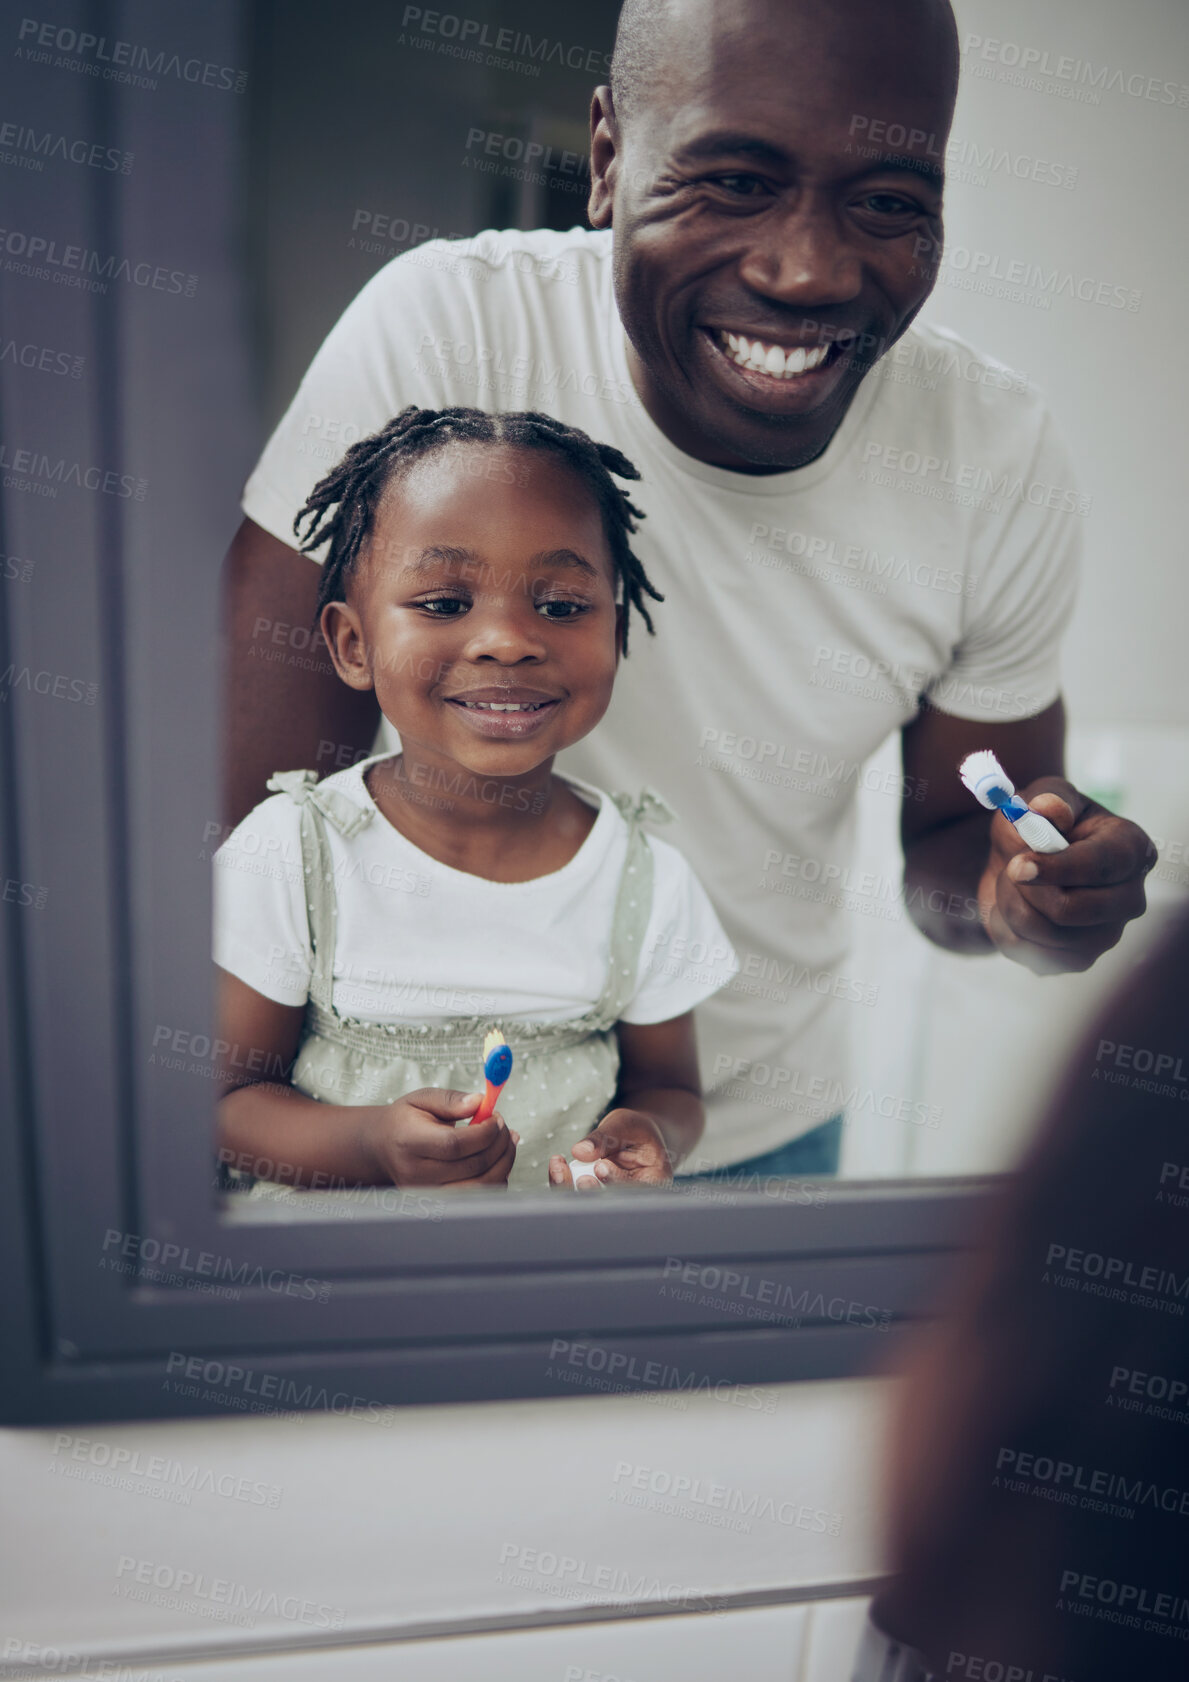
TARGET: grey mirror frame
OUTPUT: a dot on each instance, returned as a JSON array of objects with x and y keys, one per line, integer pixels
[{"x": 132, "y": 1290}]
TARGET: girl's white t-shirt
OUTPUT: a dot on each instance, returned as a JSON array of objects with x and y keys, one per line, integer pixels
[{"x": 418, "y": 941}]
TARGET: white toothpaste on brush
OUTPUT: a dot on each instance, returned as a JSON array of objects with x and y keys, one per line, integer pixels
[{"x": 992, "y": 787}]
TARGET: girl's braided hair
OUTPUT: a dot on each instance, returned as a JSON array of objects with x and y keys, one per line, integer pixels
[{"x": 341, "y": 507}]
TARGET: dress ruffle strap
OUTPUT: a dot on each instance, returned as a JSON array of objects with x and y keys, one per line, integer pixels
[
  {"x": 347, "y": 816},
  {"x": 315, "y": 802},
  {"x": 646, "y": 807}
]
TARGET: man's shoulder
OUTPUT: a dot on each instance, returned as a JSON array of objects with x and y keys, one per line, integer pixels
[
  {"x": 935, "y": 383},
  {"x": 497, "y": 245},
  {"x": 543, "y": 261},
  {"x": 940, "y": 365}
]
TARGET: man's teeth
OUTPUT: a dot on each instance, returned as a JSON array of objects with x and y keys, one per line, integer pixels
[
  {"x": 505, "y": 706},
  {"x": 771, "y": 359}
]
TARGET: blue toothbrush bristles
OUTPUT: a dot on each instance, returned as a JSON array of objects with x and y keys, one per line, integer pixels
[
  {"x": 497, "y": 1065},
  {"x": 986, "y": 779},
  {"x": 991, "y": 786}
]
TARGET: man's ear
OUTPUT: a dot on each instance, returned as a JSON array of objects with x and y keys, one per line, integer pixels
[
  {"x": 343, "y": 631},
  {"x": 604, "y": 158}
]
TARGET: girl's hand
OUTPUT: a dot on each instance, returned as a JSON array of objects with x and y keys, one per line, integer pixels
[
  {"x": 626, "y": 1146},
  {"x": 415, "y": 1142}
]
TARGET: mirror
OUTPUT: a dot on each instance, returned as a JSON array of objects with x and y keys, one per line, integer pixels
[
  {"x": 892, "y": 549},
  {"x": 913, "y": 572}
]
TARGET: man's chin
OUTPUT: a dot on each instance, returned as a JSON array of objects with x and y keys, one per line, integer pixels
[{"x": 764, "y": 443}]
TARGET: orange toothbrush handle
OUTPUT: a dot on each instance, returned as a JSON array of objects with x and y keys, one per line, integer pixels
[{"x": 490, "y": 1100}]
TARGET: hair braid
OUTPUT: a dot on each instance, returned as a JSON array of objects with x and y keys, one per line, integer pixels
[{"x": 341, "y": 508}]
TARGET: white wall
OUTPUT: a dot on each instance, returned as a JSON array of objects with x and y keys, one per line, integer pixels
[{"x": 1115, "y": 379}]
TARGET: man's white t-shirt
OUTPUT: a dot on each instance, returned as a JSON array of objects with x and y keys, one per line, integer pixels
[
  {"x": 418, "y": 941},
  {"x": 930, "y": 551}
]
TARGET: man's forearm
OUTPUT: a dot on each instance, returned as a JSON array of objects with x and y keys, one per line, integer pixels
[
  {"x": 942, "y": 872},
  {"x": 286, "y": 707}
]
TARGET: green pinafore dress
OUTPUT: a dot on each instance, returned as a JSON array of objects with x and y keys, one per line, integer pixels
[{"x": 564, "y": 1073}]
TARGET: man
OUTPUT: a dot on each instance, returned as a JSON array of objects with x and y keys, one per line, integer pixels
[{"x": 846, "y": 547}]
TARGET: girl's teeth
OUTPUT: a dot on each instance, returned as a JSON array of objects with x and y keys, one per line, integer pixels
[
  {"x": 506, "y": 706},
  {"x": 772, "y": 359}
]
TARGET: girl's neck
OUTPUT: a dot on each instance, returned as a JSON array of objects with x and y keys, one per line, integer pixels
[{"x": 507, "y": 829}]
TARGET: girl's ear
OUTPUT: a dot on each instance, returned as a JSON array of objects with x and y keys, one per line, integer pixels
[
  {"x": 343, "y": 631},
  {"x": 620, "y": 626}
]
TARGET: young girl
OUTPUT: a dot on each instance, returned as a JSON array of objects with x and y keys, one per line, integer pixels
[{"x": 372, "y": 926}]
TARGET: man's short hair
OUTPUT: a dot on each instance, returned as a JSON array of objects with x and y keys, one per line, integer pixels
[
  {"x": 638, "y": 36},
  {"x": 643, "y": 25}
]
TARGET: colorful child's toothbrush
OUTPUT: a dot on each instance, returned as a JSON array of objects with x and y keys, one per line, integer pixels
[
  {"x": 497, "y": 1066},
  {"x": 991, "y": 786}
]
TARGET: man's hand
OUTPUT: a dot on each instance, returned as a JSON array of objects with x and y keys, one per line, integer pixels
[
  {"x": 1054, "y": 912},
  {"x": 626, "y": 1147},
  {"x": 415, "y": 1142},
  {"x": 961, "y": 874}
]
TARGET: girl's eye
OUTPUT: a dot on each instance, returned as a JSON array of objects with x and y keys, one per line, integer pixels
[
  {"x": 561, "y": 610},
  {"x": 444, "y": 607}
]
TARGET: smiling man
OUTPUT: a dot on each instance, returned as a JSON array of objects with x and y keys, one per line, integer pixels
[
  {"x": 767, "y": 251},
  {"x": 859, "y": 526}
]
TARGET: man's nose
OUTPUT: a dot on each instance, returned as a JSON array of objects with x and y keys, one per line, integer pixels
[
  {"x": 506, "y": 634},
  {"x": 803, "y": 258}
]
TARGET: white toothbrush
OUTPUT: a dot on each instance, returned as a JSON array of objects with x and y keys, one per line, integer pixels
[{"x": 992, "y": 787}]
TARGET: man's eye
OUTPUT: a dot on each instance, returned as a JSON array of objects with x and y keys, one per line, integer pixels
[
  {"x": 890, "y": 204},
  {"x": 740, "y": 186},
  {"x": 444, "y": 607}
]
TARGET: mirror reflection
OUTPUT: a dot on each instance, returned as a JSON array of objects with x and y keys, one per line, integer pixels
[{"x": 661, "y": 523}]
